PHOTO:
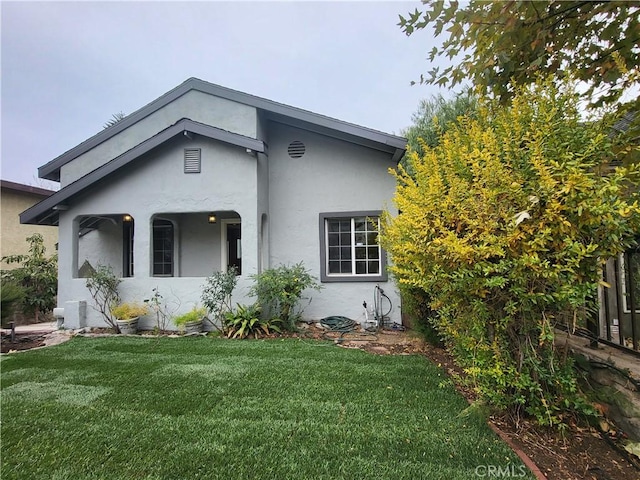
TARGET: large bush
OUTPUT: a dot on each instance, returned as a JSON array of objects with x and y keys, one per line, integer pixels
[
  {"x": 504, "y": 227},
  {"x": 279, "y": 291}
]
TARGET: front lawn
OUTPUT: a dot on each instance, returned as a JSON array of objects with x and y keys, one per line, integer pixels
[{"x": 166, "y": 408}]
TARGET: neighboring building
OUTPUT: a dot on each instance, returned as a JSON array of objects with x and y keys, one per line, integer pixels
[
  {"x": 205, "y": 177},
  {"x": 15, "y": 198}
]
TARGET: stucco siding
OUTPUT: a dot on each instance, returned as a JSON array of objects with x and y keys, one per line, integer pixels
[
  {"x": 102, "y": 246},
  {"x": 156, "y": 185},
  {"x": 13, "y": 233},
  {"x": 195, "y": 105},
  {"x": 331, "y": 176}
]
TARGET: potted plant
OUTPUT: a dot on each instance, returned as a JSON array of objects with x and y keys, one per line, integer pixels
[
  {"x": 191, "y": 322},
  {"x": 127, "y": 315}
]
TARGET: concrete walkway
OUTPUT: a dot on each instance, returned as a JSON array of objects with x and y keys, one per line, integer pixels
[{"x": 43, "y": 328}]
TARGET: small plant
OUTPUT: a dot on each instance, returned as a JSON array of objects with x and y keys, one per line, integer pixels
[
  {"x": 129, "y": 311},
  {"x": 158, "y": 306},
  {"x": 103, "y": 287},
  {"x": 246, "y": 321},
  {"x": 216, "y": 294},
  {"x": 196, "y": 314},
  {"x": 279, "y": 291}
]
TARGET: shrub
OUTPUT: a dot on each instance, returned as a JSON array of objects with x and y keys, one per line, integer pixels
[
  {"x": 216, "y": 293},
  {"x": 37, "y": 275},
  {"x": 11, "y": 296},
  {"x": 103, "y": 287},
  {"x": 246, "y": 321},
  {"x": 279, "y": 291},
  {"x": 129, "y": 310},
  {"x": 504, "y": 227},
  {"x": 159, "y": 308},
  {"x": 196, "y": 314}
]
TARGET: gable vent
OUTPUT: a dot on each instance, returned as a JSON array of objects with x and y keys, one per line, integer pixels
[
  {"x": 191, "y": 160},
  {"x": 296, "y": 149}
]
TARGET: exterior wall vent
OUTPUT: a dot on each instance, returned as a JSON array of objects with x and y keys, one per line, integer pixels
[
  {"x": 191, "y": 160},
  {"x": 296, "y": 149}
]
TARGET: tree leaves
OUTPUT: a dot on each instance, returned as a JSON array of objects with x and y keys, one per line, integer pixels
[{"x": 508, "y": 41}]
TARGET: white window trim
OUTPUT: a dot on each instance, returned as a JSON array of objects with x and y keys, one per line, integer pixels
[
  {"x": 623, "y": 281},
  {"x": 325, "y": 276}
]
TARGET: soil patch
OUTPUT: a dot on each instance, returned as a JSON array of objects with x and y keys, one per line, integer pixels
[{"x": 22, "y": 341}]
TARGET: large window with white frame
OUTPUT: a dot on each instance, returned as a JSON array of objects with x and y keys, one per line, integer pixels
[{"x": 349, "y": 249}]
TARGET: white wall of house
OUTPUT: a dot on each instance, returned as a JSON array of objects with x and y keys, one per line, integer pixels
[
  {"x": 156, "y": 184},
  {"x": 332, "y": 176},
  {"x": 102, "y": 246},
  {"x": 195, "y": 105}
]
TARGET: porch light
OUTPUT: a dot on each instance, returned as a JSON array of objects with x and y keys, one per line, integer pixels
[
  {"x": 127, "y": 218},
  {"x": 212, "y": 218}
]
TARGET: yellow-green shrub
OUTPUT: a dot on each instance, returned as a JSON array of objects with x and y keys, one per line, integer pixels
[{"x": 504, "y": 225}]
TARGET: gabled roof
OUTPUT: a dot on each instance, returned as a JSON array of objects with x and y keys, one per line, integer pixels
[
  {"x": 46, "y": 212},
  {"x": 273, "y": 111}
]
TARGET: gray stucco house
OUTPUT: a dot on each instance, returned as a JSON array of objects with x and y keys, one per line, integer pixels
[{"x": 284, "y": 185}]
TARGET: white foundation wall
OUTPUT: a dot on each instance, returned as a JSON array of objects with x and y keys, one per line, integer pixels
[
  {"x": 331, "y": 176},
  {"x": 195, "y": 105},
  {"x": 156, "y": 184}
]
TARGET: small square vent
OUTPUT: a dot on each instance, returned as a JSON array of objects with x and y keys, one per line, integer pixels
[{"x": 191, "y": 160}]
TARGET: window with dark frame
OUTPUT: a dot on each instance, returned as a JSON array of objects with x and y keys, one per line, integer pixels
[
  {"x": 162, "y": 248},
  {"x": 127, "y": 247},
  {"x": 349, "y": 247}
]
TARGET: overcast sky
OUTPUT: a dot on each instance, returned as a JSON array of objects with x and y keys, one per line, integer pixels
[{"x": 67, "y": 67}]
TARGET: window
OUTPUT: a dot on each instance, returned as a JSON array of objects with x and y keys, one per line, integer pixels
[
  {"x": 127, "y": 246},
  {"x": 162, "y": 248},
  {"x": 349, "y": 249}
]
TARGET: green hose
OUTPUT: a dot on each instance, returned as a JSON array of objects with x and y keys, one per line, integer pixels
[{"x": 343, "y": 326}]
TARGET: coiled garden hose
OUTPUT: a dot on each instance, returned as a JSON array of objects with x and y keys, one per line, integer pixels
[{"x": 343, "y": 326}]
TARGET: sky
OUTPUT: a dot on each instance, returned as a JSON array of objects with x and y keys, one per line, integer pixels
[{"x": 67, "y": 67}]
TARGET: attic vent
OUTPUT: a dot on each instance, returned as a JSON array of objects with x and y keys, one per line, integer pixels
[
  {"x": 296, "y": 149},
  {"x": 191, "y": 160}
]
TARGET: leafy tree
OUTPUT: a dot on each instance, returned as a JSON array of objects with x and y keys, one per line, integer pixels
[
  {"x": 432, "y": 118},
  {"x": 504, "y": 227},
  {"x": 507, "y": 43},
  {"x": 38, "y": 275}
]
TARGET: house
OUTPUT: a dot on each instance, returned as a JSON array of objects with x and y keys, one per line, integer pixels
[
  {"x": 14, "y": 198},
  {"x": 618, "y": 322},
  {"x": 205, "y": 177}
]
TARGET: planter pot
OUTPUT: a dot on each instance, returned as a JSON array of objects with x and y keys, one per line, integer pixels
[
  {"x": 193, "y": 327},
  {"x": 128, "y": 327}
]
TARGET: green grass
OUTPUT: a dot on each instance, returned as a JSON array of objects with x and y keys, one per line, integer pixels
[{"x": 134, "y": 408}]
